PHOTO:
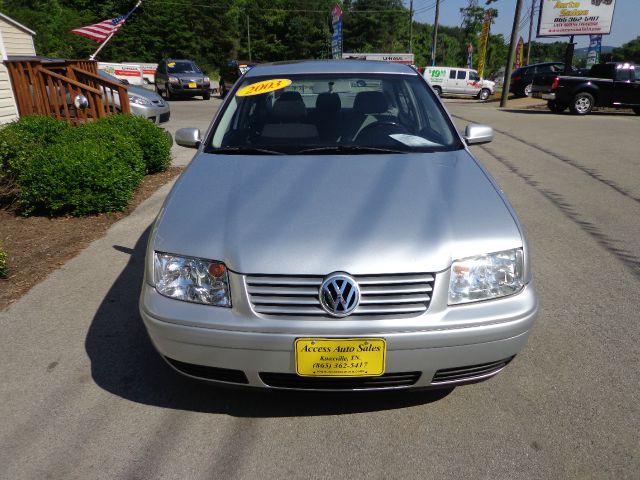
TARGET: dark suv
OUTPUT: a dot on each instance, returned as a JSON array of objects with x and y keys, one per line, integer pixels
[
  {"x": 522, "y": 78},
  {"x": 232, "y": 72},
  {"x": 181, "y": 78}
]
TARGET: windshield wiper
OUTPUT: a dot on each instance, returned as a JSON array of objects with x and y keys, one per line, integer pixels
[
  {"x": 348, "y": 149},
  {"x": 244, "y": 151}
]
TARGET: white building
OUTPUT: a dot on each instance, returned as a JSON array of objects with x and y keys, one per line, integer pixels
[{"x": 15, "y": 40}]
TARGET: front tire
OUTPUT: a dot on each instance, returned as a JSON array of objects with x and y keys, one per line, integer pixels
[
  {"x": 206, "y": 96},
  {"x": 527, "y": 90},
  {"x": 582, "y": 104},
  {"x": 223, "y": 90},
  {"x": 167, "y": 93},
  {"x": 556, "y": 107},
  {"x": 438, "y": 91},
  {"x": 636, "y": 110},
  {"x": 484, "y": 94}
]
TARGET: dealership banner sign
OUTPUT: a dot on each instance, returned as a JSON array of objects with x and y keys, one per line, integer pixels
[{"x": 576, "y": 17}]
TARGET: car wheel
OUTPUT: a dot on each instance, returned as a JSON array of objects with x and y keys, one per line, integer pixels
[
  {"x": 636, "y": 110},
  {"x": 438, "y": 91},
  {"x": 527, "y": 90},
  {"x": 206, "y": 96},
  {"x": 557, "y": 107},
  {"x": 167, "y": 93},
  {"x": 582, "y": 103},
  {"x": 484, "y": 94},
  {"x": 145, "y": 81},
  {"x": 223, "y": 90}
]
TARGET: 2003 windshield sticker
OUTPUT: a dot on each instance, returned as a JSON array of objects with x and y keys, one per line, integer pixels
[{"x": 263, "y": 87}]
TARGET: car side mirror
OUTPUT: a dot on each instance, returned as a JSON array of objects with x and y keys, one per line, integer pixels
[
  {"x": 475, "y": 134},
  {"x": 188, "y": 137}
]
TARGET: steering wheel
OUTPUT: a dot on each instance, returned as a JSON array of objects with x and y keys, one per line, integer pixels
[{"x": 373, "y": 126}]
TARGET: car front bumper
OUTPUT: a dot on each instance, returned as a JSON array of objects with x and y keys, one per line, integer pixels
[
  {"x": 450, "y": 346},
  {"x": 155, "y": 113},
  {"x": 189, "y": 92}
]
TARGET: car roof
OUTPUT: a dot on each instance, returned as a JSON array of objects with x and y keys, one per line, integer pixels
[
  {"x": 179, "y": 60},
  {"x": 329, "y": 66}
]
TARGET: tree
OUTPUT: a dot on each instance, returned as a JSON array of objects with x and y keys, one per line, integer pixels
[{"x": 628, "y": 52}]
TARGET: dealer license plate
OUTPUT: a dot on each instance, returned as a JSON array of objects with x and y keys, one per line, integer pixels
[
  {"x": 193, "y": 85},
  {"x": 344, "y": 357}
]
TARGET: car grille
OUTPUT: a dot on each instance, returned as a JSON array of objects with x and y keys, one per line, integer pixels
[
  {"x": 381, "y": 295},
  {"x": 388, "y": 380},
  {"x": 469, "y": 373}
]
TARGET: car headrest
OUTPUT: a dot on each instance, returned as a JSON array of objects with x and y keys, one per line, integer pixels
[
  {"x": 328, "y": 103},
  {"x": 289, "y": 106},
  {"x": 370, "y": 103}
]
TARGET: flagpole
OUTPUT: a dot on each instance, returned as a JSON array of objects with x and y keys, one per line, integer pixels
[{"x": 106, "y": 40}]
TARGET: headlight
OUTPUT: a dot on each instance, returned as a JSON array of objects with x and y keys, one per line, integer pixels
[
  {"x": 174, "y": 80},
  {"x": 206, "y": 81},
  {"x": 138, "y": 100},
  {"x": 191, "y": 279},
  {"x": 486, "y": 276}
]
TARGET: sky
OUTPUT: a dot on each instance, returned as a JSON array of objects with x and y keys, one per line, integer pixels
[{"x": 625, "y": 26}]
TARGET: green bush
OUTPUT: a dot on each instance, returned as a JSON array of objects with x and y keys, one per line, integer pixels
[
  {"x": 21, "y": 140},
  {"x": 124, "y": 146},
  {"x": 154, "y": 141},
  {"x": 4, "y": 267},
  {"x": 79, "y": 177}
]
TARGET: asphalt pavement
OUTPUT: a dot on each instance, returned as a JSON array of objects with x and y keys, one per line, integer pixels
[{"x": 84, "y": 395}]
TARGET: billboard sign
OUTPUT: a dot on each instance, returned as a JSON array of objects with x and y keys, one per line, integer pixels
[
  {"x": 577, "y": 17},
  {"x": 336, "y": 37}
]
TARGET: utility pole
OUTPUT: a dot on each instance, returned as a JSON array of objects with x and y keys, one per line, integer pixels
[
  {"x": 533, "y": 11},
  {"x": 435, "y": 34},
  {"x": 249, "y": 37},
  {"x": 512, "y": 51},
  {"x": 411, "y": 27}
]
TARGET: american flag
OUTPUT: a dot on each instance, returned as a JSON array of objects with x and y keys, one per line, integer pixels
[{"x": 99, "y": 32}]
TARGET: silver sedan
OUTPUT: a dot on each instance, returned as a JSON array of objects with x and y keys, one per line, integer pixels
[
  {"x": 144, "y": 103},
  {"x": 334, "y": 232}
]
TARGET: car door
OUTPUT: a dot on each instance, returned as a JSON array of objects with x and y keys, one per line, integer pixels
[
  {"x": 473, "y": 85},
  {"x": 161, "y": 76},
  {"x": 626, "y": 89},
  {"x": 452, "y": 82}
]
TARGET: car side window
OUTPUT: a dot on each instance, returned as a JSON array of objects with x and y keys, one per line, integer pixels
[
  {"x": 452, "y": 74},
  {"x": 462, "y": 75}
]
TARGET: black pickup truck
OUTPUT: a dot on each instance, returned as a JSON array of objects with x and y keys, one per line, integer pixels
[{"x": 615, "y": 85}]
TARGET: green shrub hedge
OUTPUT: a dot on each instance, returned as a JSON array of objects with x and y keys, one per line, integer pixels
[
  {"x": 20, "y": 140},
  {"x": 79, "y": 178},
  {"x": 154, "y": 142},
  {"x": 92, "y": 168},
  {"x": 4, "y": 267}
]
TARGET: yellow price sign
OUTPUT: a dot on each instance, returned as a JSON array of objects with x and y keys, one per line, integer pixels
[{"x": 263, "y": 87}]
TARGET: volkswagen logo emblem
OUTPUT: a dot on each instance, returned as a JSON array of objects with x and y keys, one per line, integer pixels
[{"x": 339, "y": 295}]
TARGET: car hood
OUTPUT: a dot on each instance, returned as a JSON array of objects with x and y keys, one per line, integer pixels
[
  {"x": 361, "y": 214},
  {"x": 188, "y": 76},
  {"x": 143, "y": 92}
]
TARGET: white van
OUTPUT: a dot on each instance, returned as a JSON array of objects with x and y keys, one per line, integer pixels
[
  {"x": 134, "y": 73},
  {"x": 458, "y": 81}
]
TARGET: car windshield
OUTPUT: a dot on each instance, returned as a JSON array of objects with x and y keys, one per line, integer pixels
[
  {"x": 333, "y": 113},
  {"x": 182, "y": 67}
]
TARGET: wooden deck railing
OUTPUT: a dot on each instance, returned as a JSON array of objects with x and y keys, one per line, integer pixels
[{"x": 50, "y": 88}]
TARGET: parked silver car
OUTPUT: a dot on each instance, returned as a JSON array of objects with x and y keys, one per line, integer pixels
[
  {"x": 333, "y": 232},
  {"x": 142, "y": 102}
]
